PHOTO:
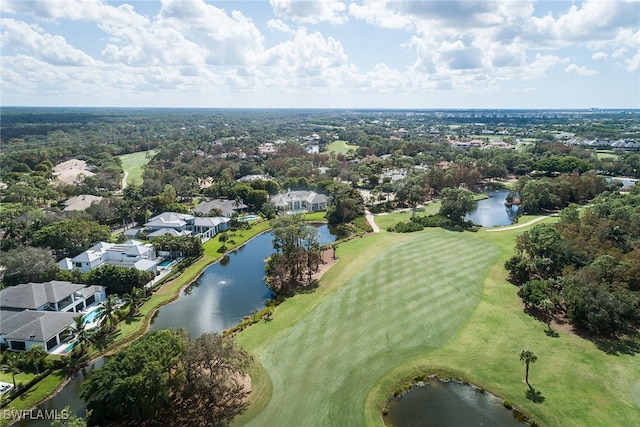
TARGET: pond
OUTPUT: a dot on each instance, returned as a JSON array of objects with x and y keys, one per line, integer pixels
[
  {"x": 221, "y": 297},
  {"x": 627, "y": 182},
  {"x": 68, "y": 396},
  {"x": 450, "y": 404},
  {"x": 492, "y": 211},
  {"x": 227, "y": 291}
]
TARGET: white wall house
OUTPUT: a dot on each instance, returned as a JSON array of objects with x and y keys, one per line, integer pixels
[
  {"x": 130, "y": 254},
  {"x": 300, "y": 200},
  {"x": 39, "y": 313}
]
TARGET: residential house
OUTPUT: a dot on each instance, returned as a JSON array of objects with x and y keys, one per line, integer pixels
[
  {"x": 130, "y": 254},
  {"x": 186, "y": 224},
  {"x": 227, "y": 207},
  {"x": 81, "y": 202},
  {"x": 40, "y": 313},
  {"x": 300, "y": 200}
]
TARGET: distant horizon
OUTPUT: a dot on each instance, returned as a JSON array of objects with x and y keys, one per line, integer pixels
[
  {"x": 588, "y": 109},
  {"x": 329, "y": 54}
]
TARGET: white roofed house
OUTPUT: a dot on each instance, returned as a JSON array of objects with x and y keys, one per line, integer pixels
[
  {"x": 300, "y": 200},
  {"x": 130, "y": 254}
]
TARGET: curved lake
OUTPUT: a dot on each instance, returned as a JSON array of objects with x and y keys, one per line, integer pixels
[
  {"x": 221, "y": 297},
  {"x": 492, "y": 211},
  {"x": 227, "y": 291},
  {"x": 450, "y": 404}
]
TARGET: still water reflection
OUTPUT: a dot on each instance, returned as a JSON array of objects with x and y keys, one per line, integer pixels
[
  {"x": 492, "y": 211},
  {"x": 449, "y": 404}
]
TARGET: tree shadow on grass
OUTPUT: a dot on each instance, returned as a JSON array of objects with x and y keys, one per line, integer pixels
[
  {"x": 130, "y": 319},
  {"x": 551, "y": 333},
  {"x": 618, "y": 346},
  {"x": 307, "y": 289},
  {"x": 105, "y": 340},
  {"x": 534, "y": 395}
]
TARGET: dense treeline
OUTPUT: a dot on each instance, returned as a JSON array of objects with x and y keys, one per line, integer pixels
[
  {"x": 548, "y": 194},
  {"x": 586, "y": 267}
]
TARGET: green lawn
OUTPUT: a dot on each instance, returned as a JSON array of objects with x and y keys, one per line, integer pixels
[
  {"x": 370, "y": 320},
  {"x": 36, "y": 393},
  {"x": 606, "y": 154},
  {"x": 385, "y": 221},
  {"x": 400, "y": 305},
  {"x": 341, "y": 147},
  {"x": 133, "y": 164}
]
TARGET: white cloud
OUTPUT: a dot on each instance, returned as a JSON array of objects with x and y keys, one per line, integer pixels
[
  {"x": 31, "y": 39},
  {"x": 541, "y": 66},
  {"x": 600, "y": 56},
  {"x": 86, "y": 10},
  {"x": 188, "y": 33},
  {"x": 633, "y": 63},
  {"x": 381, "y": 13},
  {"x": 310, "y": 12},
  {"x": 195, "y": 47},
  {"x": 579, "y": 69},
  {"x": 279, "y": 25},
  {"x": 594, "y": 20},
  {"x": 306, "y": 54}
]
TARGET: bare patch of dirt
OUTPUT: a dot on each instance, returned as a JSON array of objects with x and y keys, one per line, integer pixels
[
  {"x": 69, "y": 171},
  {"x": 327, "y": 262}
]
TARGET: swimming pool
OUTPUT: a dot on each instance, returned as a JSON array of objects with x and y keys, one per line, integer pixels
[
  {"x": 164, "y": 263},
  {"x": 68, "y": 348},
  {"x": 91, "y": 316},
  {"x": 248, "y": 218}
]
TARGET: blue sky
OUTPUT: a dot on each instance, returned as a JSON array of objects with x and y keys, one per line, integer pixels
[{"x": 321, "y": 54}]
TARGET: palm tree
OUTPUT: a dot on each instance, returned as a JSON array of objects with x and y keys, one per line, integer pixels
[
  {"x": 12, "y": 365},
  {"x": 36, "y": 354},
  {"x": 223, "y": 237},
  {"x": 78, "y": 332},
  {"x": 108, "y": 310},
  {"x": 133, "y": 299},
  {"x": 528, "y": 357}
]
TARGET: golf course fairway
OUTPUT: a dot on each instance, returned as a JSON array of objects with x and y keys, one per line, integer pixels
[{"x": 397, "y": 306}]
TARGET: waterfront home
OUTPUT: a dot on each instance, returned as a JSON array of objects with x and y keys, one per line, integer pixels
[
  {"x": 39, "y": 313},
  {"x": 186, "y": 224},
  {"x": 130, "y": 254},
  {"x": 300, "y": 200}
]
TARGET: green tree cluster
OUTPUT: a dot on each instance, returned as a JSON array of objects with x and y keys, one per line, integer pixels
[
  {"x": 119, "y": 280},
  {"x": 297, "y": 254},
  {"x": 346, "y": 204},
  {"x": 178, "y": 246},
  {"x": 587, "y": 266},
  {"x": 546, "y": 194},
  {"x": 170, "y": 379}
]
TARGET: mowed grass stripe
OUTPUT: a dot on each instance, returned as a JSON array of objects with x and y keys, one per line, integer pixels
[
  {"x": 410, "y": 299},
  {"x": 133, "y": 163}
]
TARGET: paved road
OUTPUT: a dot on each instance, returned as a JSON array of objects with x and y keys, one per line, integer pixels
[
  {"x": 372, "y": 222},
  {"x": 124, "y": 180},
  {"x": 540, "y": 218}
]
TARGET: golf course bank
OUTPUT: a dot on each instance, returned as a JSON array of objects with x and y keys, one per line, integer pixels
[{"x": 397, "y": 306}]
